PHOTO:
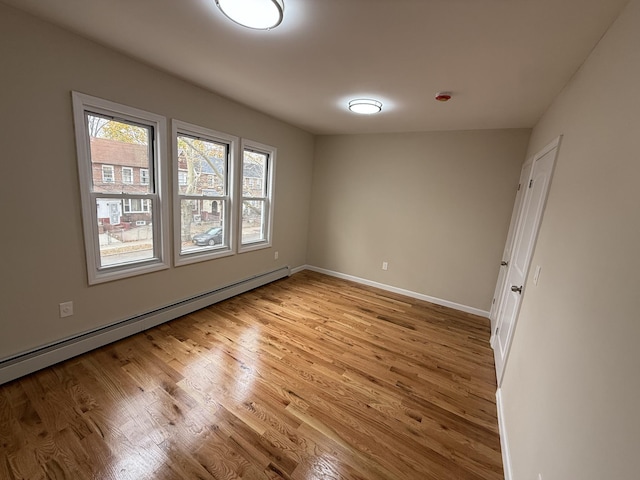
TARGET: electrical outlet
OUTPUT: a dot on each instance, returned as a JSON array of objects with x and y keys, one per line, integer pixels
[
  {"x": 275, "y": 256},
  {"x": 66, "y": 309},
  {"x": 385, "y": 265}
]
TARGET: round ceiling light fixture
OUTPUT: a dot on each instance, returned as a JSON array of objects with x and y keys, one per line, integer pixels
[
  {"x": 365, "y": 106},
  {"x": 256, "y": 14}
]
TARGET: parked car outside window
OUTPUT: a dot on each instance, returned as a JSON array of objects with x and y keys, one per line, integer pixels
[{"x": 211, "y": 237}]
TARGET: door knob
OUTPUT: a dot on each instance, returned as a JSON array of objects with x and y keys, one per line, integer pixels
[
  {"x": 516, "y": 289},
  {"x": 504, "y": 264}
]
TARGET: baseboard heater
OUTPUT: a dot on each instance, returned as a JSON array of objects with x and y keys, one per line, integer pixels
[{"x": 47, "y": 355}]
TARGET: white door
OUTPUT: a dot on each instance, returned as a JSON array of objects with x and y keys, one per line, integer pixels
[
  {"x": 513, "y": 290},
  {"x": 525, "y": 175},
  {"x": 114, "y": 213}
]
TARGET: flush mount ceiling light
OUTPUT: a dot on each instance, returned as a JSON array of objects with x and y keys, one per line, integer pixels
[
  {"x": 256, "y": 14},
  {"x": 365, "y": 106}
]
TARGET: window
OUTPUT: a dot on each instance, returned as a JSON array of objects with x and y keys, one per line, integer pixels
[
  {"x": 124, "y": 223},
  {"x": 136, "y": 205},
  {"x": 127, "y": 175},
  {"x": 144, "y": 176},
  {"x": 258, "y": 166},
  {"x": 202, "y": 207},
  {"x": 108, "y": 175}
]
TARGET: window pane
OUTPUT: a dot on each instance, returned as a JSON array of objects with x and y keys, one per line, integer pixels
[
  {"x": 201, "y": 225},
  {"x": 125, "y": 230},
  {"x": 202, "y": 167},
  {"x": 253, "y": 221},
  {"x": 127, "y": 175},
  {"x": 108, "y": 174},
  {"x": 135, "y": 205},
  {"x": 119, "y": 154},
  {"x": 254, "y": 168}
]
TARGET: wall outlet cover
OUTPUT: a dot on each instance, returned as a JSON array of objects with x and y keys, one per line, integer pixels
[{"x": 66, "y": 309}]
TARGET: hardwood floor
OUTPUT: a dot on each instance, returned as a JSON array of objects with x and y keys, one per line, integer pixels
[{"x": 310, "y": 377}]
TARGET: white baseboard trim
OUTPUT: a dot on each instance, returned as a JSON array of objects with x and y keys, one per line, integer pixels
[
  {"x": 504, "y": 443},
  {"x": 47, "y": 355},
  {"x": 401, "y": 291},
  {"x": 298, "y": 269}
]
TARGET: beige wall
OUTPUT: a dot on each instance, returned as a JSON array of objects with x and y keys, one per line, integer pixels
[
  {"x": 42, "y": 243},
  {"x": 571, "y": 390},
  {"x": 435, "y": 206}
]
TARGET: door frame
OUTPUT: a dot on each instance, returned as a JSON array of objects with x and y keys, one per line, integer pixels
[{"x": 517, "y": 233}]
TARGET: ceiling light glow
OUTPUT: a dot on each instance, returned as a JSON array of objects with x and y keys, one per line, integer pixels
[
  {"x": 365, "y": 106},
  {"x": 256, "y": 14}
]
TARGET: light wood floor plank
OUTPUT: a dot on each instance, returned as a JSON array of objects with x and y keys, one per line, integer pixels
[{"x": 310, "y": 377}]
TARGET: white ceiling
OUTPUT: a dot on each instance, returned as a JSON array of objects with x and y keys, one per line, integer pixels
[{"x": 504, "y": 60}]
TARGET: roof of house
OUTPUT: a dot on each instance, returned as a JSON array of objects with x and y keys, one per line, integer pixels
[{"x": 114, "y": 152}]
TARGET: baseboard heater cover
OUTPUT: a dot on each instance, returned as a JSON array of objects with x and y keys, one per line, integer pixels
[{"x": 47, "y": 355}]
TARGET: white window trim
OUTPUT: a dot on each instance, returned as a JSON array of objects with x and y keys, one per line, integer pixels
[
  {"x": 229, "y": 245},
  {"x": 142, "y": 177},
  {"x": 82, "y": 103},
  {"x": 270, "y": 183},
  {"x": 130, "y": 169}
]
